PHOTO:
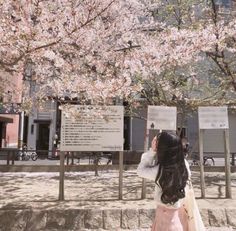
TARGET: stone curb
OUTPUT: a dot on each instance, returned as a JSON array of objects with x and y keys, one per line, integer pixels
[{"x": 95, "y": 219}]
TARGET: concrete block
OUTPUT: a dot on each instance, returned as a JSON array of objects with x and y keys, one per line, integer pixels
[
  {"x": 231, "y": 217},
  {"x": 219, "y": 229},
  {"x": 130, "y": 219},
  {"x": 112, "y": 219},
  {"x": 217, "y": 217},
  {"x": 37, "y": 220},
  {"x": 56, "y": 219},
  {"x": 205, "y": 216},
  {"x": 78, "y": 223},
  {"x": 14, "y": 219},
  {"x": 65, "y": 219},
  {"x": 146, "y": 217},
  {"x": 93, "y": 219}
]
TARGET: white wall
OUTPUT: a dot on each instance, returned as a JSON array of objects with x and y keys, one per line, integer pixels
[{"x": 49, "y": 113}]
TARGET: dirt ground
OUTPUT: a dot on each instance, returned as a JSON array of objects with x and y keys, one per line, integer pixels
[{"x": 84, "y": 186}]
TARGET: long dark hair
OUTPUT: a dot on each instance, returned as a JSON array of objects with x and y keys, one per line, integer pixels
[{"x": 172, "y": 175}]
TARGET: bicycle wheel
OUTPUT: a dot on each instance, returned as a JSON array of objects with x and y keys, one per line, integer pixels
[
  {"x": 194, "y": 163},
  {"x": 34, "y": 156},
  {"x": 25, "y": 156},
  {"x": 209, "y": 162}
]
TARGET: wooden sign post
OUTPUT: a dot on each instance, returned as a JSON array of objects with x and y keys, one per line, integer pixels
[
  {"x": 61, "y": 177},
  {"x": 158, "y": 118},
  {"x": 228, "y": 192},
  {"x": 214, "y": 118},
  {"x": 121, "y": 167},
  {"x": 144, "y": 183},
  {"x": 202, "y": 177},
  {"x": 101, "y": 133}
]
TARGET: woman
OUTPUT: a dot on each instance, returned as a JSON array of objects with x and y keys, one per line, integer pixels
[{"x": 170, "y": 174}]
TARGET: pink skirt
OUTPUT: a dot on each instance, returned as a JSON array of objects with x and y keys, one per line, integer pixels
[{"x": 170, "y": 219}]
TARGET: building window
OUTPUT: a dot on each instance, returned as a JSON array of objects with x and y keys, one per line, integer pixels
[
  {"x": 182, "y": 133},
  {"x": 32, "y": 129},
  {"x": 225, "y": 6},
  {"x": 224, "y": 3}
]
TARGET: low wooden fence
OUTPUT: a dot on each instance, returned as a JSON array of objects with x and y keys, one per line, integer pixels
[{"x": 67, "y": 163}]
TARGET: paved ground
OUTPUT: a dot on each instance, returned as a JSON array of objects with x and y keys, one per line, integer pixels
[
  {"x": 80, "y": 186},
  {"x": 85, "y": 190},
  {"x": 218, "y": 162},
  {"x": 46, "y": 161}
]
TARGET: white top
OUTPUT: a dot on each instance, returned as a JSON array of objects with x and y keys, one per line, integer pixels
[{"x": 147, "y": 169}]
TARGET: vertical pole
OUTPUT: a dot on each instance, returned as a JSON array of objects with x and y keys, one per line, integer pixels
[
  {"x": 8, "y": 157},
  {"x": 121, "y": 165},
  {"x": 22, "y": 118},
  {"x": 144, "y": 183},
  {"x": 201, "y": 163},
  {"x": 13, "y": 157},
  {"x": 131, "y": 133},
  {"x": 228, "y": 193},
  {"x": 67, "y": 158},
  {"x": 95, "y": 163},
  {"x": 72, "y": 158},
  {"x": 233, "y": 161},
  {"x": 62, "y": 174}
]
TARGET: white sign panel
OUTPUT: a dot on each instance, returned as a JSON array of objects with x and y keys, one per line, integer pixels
[
  {"x": 161, "y": 117},
  {"x": 213, "y": 117},
  {"x": 101, "y": 132}
]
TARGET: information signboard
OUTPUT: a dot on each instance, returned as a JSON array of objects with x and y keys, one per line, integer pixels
[
  {"x": 161, "y": 117},
  {"x": 101, "y": 132},
  {"x": 213, "y": 117}
]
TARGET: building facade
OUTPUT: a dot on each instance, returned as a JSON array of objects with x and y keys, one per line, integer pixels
[
  {"x": 43, "y": 126},
  {"x": 9, "y": 116}
]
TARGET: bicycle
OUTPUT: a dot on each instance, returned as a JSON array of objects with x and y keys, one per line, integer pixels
[
  {"x": 98, "y": 157},
  {"x": 207, "y": 161},
  {"x": 25, "y": 154}
]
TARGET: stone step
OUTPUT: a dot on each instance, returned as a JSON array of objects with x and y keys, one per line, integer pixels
[
  {"x": 55, "y": 218},
  {"x": 208, "y": 229},
  {"x": 220, "y": 229}
]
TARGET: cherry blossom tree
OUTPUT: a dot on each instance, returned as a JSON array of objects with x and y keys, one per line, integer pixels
[
  {"x": 71, "y": 48},
  {"x": 95, "y": 51},
  {"x": 188, "y": 60}
]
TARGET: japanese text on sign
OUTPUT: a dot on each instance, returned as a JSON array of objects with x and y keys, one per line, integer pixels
[
  {"x": 213, "y": 118},
  {"x": 93, "y": 133},
  {"x": 161, "y": 117}
]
